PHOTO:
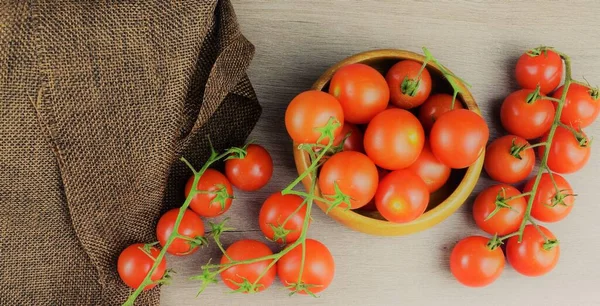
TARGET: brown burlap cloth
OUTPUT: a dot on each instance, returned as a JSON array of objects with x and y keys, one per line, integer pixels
[{"x": 98, "y": 100}]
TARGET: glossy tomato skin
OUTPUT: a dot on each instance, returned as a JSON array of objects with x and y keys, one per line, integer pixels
[
  {"x": 545, "y": 70},
  {"x": 311, "y": 110},
  {"x": 542, "y": 208},
  {"x": 529, "y": 256},
  {"x": 506, "y": 220},
  {"x": 504, "y": 167},
  {"x": 211, "y": 180},
  {"x": 276, "y": 209},
  {"x": 394, "y": 139},
  {"x": 381, "y": 173},
  {"x": 526, "y": 120},
  {"x": 134, "y": 264},
  {"x": 361, "y": 90},
  {"x": 190, "y": 226},
  {"x": 458, "y": 138},
  {"x": 408, "y": 69},
  {"x": 473, "y": 264},
  {"x": 430, "y": 169},
  {"x": 434, "y": 107},
  {"x": 581, "y": 109},
  {"x": 244, "y": 250},
  {"x": 566, "y": 155},
  {"x": 402, "y": 196},
  {"x": 319, "y": 266},
  {"x": 354, "y": 142},
  {"x": 251, "y": 172},
  {"x": 354, "y": 173}
]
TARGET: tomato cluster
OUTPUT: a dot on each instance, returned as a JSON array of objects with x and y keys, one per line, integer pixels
[
  {"x": 509, "y": 214},
  {"x": 396, "y": 141}
]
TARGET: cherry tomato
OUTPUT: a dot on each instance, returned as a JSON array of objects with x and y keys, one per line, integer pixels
[
  {"x": 458, "y": 138},
  {"x": 361, "y": 90},
  {"x": 434, "y": 107},
  {"x": 568, "y": 153},
  {"x": 191, "y": 226},
  {"x": 278, "y": 209},
  {"x": 310, "y": 111},
  {"x": 526, "y": 119},
  {"x": 544, "y": 69},
  {"x": 402, "y": 196},
  {"x": 582, "y": 105},
  {"x": 506, "y": 163},
  {"x": 251, "y": 172},
  {"x": 207, "y": 204},
  {"x": 319, "y": 267},
  {"x": 530, "y": 257},
  {"x": 394, "y": 139},
  {"x": 355, "y": 175},
  {"x": 505, "y": 220},
  {"x": 548, "y": 205},
  {"x": 354, "y": 142},
  {"x": 244, "y": 250},
  {"x": 407, "y": 88},
  {"x": 134, "y": 264},
  {"x": 430, "y": 169},
  {"x": 473, "y": 264}
]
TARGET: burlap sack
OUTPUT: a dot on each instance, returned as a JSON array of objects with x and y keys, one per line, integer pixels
[{"x": 98, "y": 100}]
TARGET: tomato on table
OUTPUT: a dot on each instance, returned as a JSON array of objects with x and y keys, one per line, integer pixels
[
  {"x": 434, "y": 107},
  {"x": 354, "y": 142},
  {"x": 402, "y": 196},
  {"x": 279, "y": 209},
  {"x": 191, "y": 226},
  {"x": 238, "y": 274},
  {"x": 533, "y": 256},
  {"x": 539, "y": 67},
  {"x": 569, "y": 151},
  {"x": 211, "y": 202},
  {"x": 134, "y": 263},
  {"x": 408, "y": 88},
  {"x": 308, "y": 112},
  {"x": 361, "y": 90},
  {"x": 550, "y": 205},
  {"x": 251, "y": 172},
  {"x": 430, "y": 169},
  {"x": 473, "y": 264},
  {"x": 505, "y": 219},
  {"x": 523, "y": 116},
  {"x": 318, "y": 272},
  {"x": 509, "y": 159},
  {"x": 582, "y": 105}
]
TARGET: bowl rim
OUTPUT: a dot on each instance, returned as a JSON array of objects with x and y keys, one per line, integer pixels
[{"x": 431, "y": 217}]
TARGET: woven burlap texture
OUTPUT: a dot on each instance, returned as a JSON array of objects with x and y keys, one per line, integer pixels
[{"x": 98, "y": 100}]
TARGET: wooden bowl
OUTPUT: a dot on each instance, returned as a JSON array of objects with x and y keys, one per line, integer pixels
[{"x": 443, "y": 202}]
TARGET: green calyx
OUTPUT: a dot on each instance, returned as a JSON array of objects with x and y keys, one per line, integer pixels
[
  {"x": 280, "y": 233},
  {"x": 538, "y": 51},
  {"x": 221, "y": 196},
  {"x": 410, "y": 87},
  {"x": 338, "y": 198},
  {"x": 559, "y": 198},
  {"x": 494, "y": 243},
  {"x": 534, "y": 96},
  {"x": 550, "y": 244},
  {"x": 501, "y": 203},
  {"x": 327, "y": 131}
]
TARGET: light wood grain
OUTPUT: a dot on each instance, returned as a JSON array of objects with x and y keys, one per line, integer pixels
[{"x": 480, "y": 41}]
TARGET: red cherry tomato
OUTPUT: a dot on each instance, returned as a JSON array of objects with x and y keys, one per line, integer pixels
[
  {"x": 549, "y": 205},
  {"x": 544, "y": 69},
  {"x": 526, "y": 119},
  {"x": 361, "y": 90},
  {"x": 191, "y": 226},
  {"x": 134, "y": 264},
  {"x": 568, "y": 152},
  {"x": 530, "y": 257},
  {"x": 319, "y": 267},
  {"x": 582, "y": 105},
  {"x": 402, "y": 196},
  {"x": 354, "y": 142},
  {"x": 473, "y": 264},
  {"x": 505, "y": 220},
  {"x": 310, "y": 111},
  {"x": 506, "y": 163},
  {"x": 205, "y": 204},
  {"x": 394, "y": 139},
  {"x": 278, "y": 209},
  {"x": 244, "y": 250},
  {"x": 434, "y": 107},
  {"x": 251, "y": 172},
  {"x": 401, "y": 77},
  {"x": 458, "y": 138},
  {"x": 430, "y": 169}
]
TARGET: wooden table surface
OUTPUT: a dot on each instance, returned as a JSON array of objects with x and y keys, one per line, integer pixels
[{"x": 480, "y": 41}]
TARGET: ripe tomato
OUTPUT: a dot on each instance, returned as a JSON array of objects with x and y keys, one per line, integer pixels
[
  {"x": 309, "y": 111},
  {"x": 202, "y": 203},
  {"x": 473, "y": 264},
  {"x": 430, "y": 169},
  {"x": 361, "y": 90},
  {"x": 544, "y": 69},
  {"x": 568, "y": 153},
  {"x": 401, "y": 77},
  {"x": 548, "y": 206},
  {"x": 278, "y": 209},
  {"x": 402, "y": 196},
  {"x": 506, "y": 220},
  {"x": 134, "y": 264},
  {"x": 319, "y": 267},
  {"x": 506, "y": 163},
  {"x": 458, "y": 137},
  {"x": 190, "y": 226},
  {"x": 529, "y": 257},
  {"x": 251, "y": 172},
  {"x": 394, "y": 139},
  {"x": 355, "y": 175},
  {"x": 582, "y": 105},
  {"x": 244, "y": 250},
  {"x": 526, "y": 119},
  {"x": 434, "y": 107},
  {"x": 354, "y": 142}
]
